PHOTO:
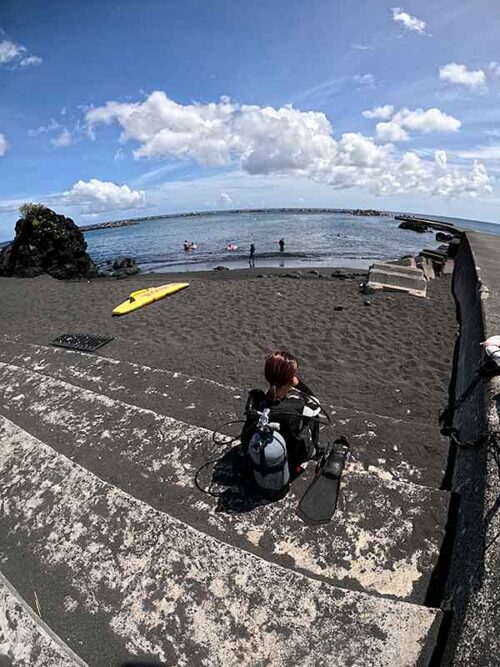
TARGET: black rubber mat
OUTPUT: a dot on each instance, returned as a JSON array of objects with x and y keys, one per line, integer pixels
[{"x": 81, "y": 342}]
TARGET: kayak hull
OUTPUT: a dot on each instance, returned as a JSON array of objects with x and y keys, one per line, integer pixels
[{"x": 143, "y": 297}]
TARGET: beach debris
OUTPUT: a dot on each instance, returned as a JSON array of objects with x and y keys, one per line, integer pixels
[
  {"x": 38, "y": 609},
  {"x": 338, "y": 307},
  {"x": 46, "y": 242}
]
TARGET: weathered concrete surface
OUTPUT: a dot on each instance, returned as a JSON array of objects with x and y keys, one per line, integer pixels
[
  {"x": 389, "y": 276},
  {"x": 474, "y": 581},
  {"x": 385, "y": 542},
  {"x": 130, "y": 580},
  {"x": 409, "y": 269},
  {"x": 25, "y": 640},
  {"x": 399, "y": 449}
]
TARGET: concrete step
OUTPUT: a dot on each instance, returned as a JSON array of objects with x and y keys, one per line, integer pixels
[
  {"x": 25, "y": 640},
  {"x": 385, "y": 538},
  {"x": 120, "y": 579},
  {"x": 401, "y": 449}
]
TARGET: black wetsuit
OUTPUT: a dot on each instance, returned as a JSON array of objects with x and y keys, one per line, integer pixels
[
  {"x": 295, "y": 413},
  {"x": 282, "y": 245}
]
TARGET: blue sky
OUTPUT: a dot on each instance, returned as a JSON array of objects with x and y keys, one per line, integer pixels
[{"x": 119, "y": 109}]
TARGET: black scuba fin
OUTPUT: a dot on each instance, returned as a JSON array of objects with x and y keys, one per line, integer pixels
[{"x": 319, "y": 501}]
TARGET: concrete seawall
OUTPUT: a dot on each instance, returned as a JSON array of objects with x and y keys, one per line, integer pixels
[{"x": 472, "y": 592}]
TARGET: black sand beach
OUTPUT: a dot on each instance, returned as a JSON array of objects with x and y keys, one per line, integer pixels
[{"x": 388, "y": 353}]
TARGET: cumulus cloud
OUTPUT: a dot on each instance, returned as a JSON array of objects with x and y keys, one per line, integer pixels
[
  {"x": 97, "y": 196},
  {"x": 16, "y": 55},
  {"x": 3, "y": 144},
  {"x": 409, "y": 22},
  {"x": 472, "y": 183},
  {"x": 459, "y": 74},
  {"x": 265, "y": 140},
  {"x": 422, "y": 121},
  {"x": 383, "y": 112}
]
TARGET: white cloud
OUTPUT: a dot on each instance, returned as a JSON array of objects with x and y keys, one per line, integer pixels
[
  {"x": 3, "y": 144},
  {"x": 225, "y": 200},
  {"x": 51, "y": 126},
  {"x": 16, "y": 55},
  {"x": 62, "y": 139},
  {"x": 494, "y": 68},
  {"x": 441, "y": 159},
  {"x": 284, "y": 141},
  {"x": 391, "y": 131},
  {"x": 97, "y": 196},
  {"x": 409, "y": 22},
  {"x": 365, "y": 81},
  {"x": 361, "y": 47},
  {"x": 418, "y": 120},
  {"x": 473, "y": 183},
  {"x": 383, "y": 112},
  {"x": 481, "y": 153},
  {"x": 30, "y": 60},
  {"x": 459, "y": 74}
]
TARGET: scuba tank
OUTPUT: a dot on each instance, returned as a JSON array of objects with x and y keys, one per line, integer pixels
[{"x": 268, "y": 457}]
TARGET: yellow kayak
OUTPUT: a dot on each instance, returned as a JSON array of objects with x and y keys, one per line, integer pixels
[{"x": 142, "y": 297}]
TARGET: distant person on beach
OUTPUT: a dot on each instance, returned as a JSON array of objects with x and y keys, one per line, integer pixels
[
  {"x": 282, "y": 244},
  {"x": 292, "y": 405},
  {"x": 251, "y": 259}
]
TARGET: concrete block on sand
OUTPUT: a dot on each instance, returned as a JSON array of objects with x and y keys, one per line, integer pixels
[{"x": 398, "y": 278}]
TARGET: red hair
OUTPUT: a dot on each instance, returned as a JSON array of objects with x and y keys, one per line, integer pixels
[{"x": 280, "y": 368}]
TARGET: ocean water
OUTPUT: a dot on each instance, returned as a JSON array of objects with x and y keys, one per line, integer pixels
[{"x": 311, "y": 240}]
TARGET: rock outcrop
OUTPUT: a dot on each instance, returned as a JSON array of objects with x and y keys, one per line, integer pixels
[
  {"x": 414, "y": 226},
  {"x": 46, "y": 242},
  {"x": 120, "y": 268}
]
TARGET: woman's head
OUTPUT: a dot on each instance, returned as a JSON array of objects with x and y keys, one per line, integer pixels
[{"x": 280, "y": 368}]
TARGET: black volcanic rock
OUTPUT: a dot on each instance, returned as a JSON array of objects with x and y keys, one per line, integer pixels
[
  {"x": 46, "y": 242},
  {"x": 120, "y": 268},
  {"x": 443, "y": 236},
  {"x": 414, "y": 226}
]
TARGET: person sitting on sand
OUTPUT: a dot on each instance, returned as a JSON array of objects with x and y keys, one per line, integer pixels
[{"x": 292, "y": 405}]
